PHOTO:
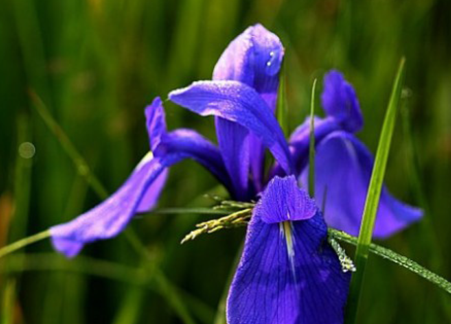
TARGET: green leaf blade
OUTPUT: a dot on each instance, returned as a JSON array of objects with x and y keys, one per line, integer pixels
[{"x": 373, "y": 196}]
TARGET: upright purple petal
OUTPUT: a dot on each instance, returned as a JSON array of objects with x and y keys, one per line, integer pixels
[
  {"x": 339, "y": 100},
  {"x": 234, "y": 145},
  {"x": 288, "y": 273},
  {"x": 253, "y": 58},
  {"x": 343, "y": 169},
  {"x": 237, "y": 103},
  {"x": 155, "y": 122}
]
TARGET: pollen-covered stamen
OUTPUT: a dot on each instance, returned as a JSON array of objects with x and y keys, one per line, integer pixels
[{"x": 286, "y": 229}]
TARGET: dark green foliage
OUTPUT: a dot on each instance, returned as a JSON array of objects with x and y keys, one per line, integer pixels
[{"x": 97, "y": 63}]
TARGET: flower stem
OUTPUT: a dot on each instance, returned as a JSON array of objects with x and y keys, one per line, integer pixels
[
  {"x": 311, "y": 169},
  {"x": 372, "y": 199},
  {"x": 396, "y": 258},
  {"x": 24, "y": 242}
]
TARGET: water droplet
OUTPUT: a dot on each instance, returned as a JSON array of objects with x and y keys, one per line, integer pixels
[{"x": 27, "y": 150}]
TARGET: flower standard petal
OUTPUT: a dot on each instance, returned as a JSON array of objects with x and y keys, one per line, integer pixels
[
  {"x": 342, "y": 188},
  {"x": 339, "y": 100},
  {"x": 275, "y": 285},
  {"x": 253, "y": 58},
  {"x": 237, "y": 103}
]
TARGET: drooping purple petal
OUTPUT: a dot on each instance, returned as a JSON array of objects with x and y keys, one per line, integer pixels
[
  {"x": 301, "y": 283},
  {"x": 238, "y": 103},
  {"x": 339, "y": 100},
  {"x": 151, "y": 195},
  {"x": 253, "y": 58},
  {"x": 343, "y": 169},
  {"x": 142, "y": 189},
  {"x": 110, "y": 217},
  {"x": 186, "y": 143}
]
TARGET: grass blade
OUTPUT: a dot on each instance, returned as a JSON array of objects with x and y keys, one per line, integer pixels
[
  {"x": 396, "y": 258},
  {"x": 165, "y": 287},
  {"x": 372, "y": 199},
  {"x": 24, "y": 242},
  {"x": 281, "y": 107},
  {"x": 311, "y": 169}
]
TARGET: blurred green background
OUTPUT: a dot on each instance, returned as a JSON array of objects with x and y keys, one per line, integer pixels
[{"x": 97, "y": 63}]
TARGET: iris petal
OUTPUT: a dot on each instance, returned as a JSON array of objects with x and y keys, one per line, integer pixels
[
  {"x": 238, "y": 103},
  {"x": 300, "y": 139},
  {"x": 271, "y": 287},
  {"x": 253, "y": 58},
  {"x": 141, "y": 190},
  {"x": 233, "y": 141},
  {"x": 283, "y": 201},
  {"x": 343, "y": 169},
  {"x": 339, "y": 100},
  {"x": 110, "y": 217}
]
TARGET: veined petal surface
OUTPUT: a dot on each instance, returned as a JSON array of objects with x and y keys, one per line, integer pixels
[
  {"x": 253, "y": 58},
  {"x": 343, "y": 167},
  {"x": 288, "y": 273},
  {"x": 237, "y": 103}
]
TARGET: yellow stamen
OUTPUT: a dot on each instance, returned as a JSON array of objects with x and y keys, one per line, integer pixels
[{"x": 286, "y": 229}]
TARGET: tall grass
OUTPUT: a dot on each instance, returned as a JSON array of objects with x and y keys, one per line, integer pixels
[{"x": 96, "y": 63}]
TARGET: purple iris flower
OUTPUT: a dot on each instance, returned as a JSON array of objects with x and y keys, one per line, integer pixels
[
  {"x": 288, "y": 272},
  {"x": 343, "y": 165}
]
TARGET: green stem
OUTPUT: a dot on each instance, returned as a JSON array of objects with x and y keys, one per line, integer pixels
[
  {"x": 84, "y": 171},
  {"x": 311, "y": 170},
  {"x": 80, "y": 163},
  {"x": 24, "y": 242},
  {"x": 372, "y": 198},
  {"x": 281, "y": 109},
  {"x": 397, "y": 259}
]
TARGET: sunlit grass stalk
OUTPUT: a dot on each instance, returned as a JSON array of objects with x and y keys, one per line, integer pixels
[
  {"x": 8, "y": 302},
  {"x": 372, "y": 199},
  {"x": 24, "y": 242},
  {"x": 281, "y": 107},
  {"x": 311, "y": 170},
  {"x": 397, "y": 259},
  {"x": 80, "y": 163},
  {"x": 22, "y": 181},
  {"x": 109, "y": 270}
]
